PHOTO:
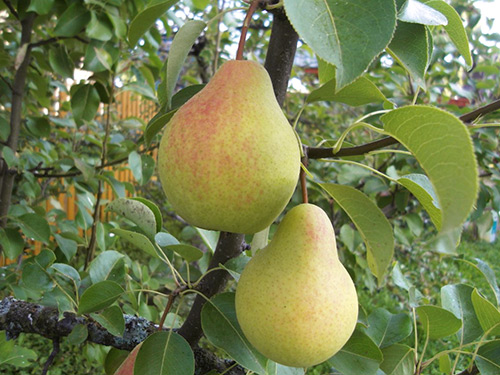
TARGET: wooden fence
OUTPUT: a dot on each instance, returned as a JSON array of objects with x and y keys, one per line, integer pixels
[{"x": 127, "y": 105}]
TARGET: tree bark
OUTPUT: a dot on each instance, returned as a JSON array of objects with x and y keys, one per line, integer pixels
[
  {"x": 24, "y": 317},
  {"x": 15, "y": 117}
]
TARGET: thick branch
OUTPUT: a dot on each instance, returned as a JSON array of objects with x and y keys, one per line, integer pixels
[
  {"x": 18, "y": 87},
  {"x": 279, "y": 58},
  {"x": 24, "y": 317},
  {"x": 326, "y": 152},
  {"x": 230, "y": 245}
]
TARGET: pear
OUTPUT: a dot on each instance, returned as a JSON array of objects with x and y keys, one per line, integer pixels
[
  {"x": 295, "y": 301},
  {"x": 228, "y": 159}
]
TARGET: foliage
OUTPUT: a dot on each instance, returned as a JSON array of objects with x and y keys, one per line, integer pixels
[{"x": 425, "y": 305}]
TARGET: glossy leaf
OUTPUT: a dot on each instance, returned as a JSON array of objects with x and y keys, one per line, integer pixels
[
  {"x": 137, "y": 212},
  {"x": 360, "y": 355},
  {"x": 181, "y": 45},
  {"x": 164, "y": 353},
  {"x": 146, "y": 18},
  {"x": 360, "y": 92},
  {"x": 398, "y": 360},
  {"x": 209, "y": 237},
  {"x": 487, "y": 314},
  {"x": 68, "y": 272},
  {"x": 188, "y": 252},
  {"x": 442, "y": 145},
  {"x": 156, "y": 124},
  {"x": 372, "y": 224},
  {"x": 78, "y": 335},
  {"x": 66, "y": 245},
  {"x": 438, "y": 322},
  {"x": 137, "y": 239},
  {"x": 99, "y": 27},
  {"x": 454, "y": 28},
  {"x": 84, "y": 103},
  {"x": 416, "y": 12},
  {"x": 61, "y": 62},
  {"x": 111, "y": 319},
  {"x": 457, "y": 299},
  {"x": 410, "y": 48},
  {"x": 156, "y": 211},
  {"x": 488, "y": 358},
  {"x": 219, "y": 323},
  {"x": 12, "y": 242},
  {"x": 99, "y": 296},
  {"x": 420, "y": 186},
  {"x": 386, "y": 329},
  {"x": 72, "y": 21},
  {"x": 105, "y": 265},
  {"x": 336, "y": 31},
  {"x": 34, "y": 226},
  {"x": 13, "y": 354},
  {"x": 41, "y": 7}
]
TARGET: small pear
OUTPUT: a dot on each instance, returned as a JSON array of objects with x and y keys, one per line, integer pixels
[
  {"x": 228, "y": 159},
  {"x": 295, "y": 301}
]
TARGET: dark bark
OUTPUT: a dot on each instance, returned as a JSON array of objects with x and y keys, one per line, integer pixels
[
  {"x": 24, "y": 317},
  {"x": 18, "y": 88},
  {"x": 282, "y": 48},
  {"x": 230, "y": 246}
]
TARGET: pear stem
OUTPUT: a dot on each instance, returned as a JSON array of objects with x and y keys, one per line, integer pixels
[
  {"x": 244, "y": 29},
  {"x": 303, "y": 183}
]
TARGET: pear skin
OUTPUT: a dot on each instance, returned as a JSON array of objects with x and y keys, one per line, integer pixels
[
  {"x": 295, "y": 301},
  {"x": 228, "y": 159}
]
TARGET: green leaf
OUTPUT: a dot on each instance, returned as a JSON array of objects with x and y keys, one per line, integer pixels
[
  {"x": 164, "y": 239},
  {"x": 488, "y": 358},
  {"x": 99, "y": 27},
  {"x": 36, "y": 227},
  {"x": 182, "y": 96},
  {"x": 36, "y": 278},
  {"x": 455, "y": 28},
  {"x": 87, "y": 170},
  {"x": 156, "y": 124},
  {"x": 84, "y": 103},
  {"x": 105, "y": 265},
  {"x": 273, "y": 368},
  {"x": 188, "y": 252},
  {"x": 78, "y": 335},
  {"x": 361, "y": 91},
  {"x": 156, "y": 211},
  {"x": 219, "y": 323},
  {"x": 209, "y": 237},
  {"x": 137, "y": 212},
  {"x": 13, "y": 354},
  {"x": 67, "y": 246},
  {"x": 398, "y": 360},
  {"x": 114, "y": 359},
  {"x": 236, "y": 265},
  {"x": 438, "y": 322},
  {"x": 359, "y": 355},
  {"x": 181, "y": 45},
  {"x": 457, "y": 299},
  {"x": 135, "y": 164},
  {"x": 164, "y": 353},
  {"x": 68, "y": 272},
  {"x": 99, "y": 296},
  {"x": 99, "y": 56},
  {"x": 442, "y": 145},
  {"x": 347, "y": 34},
  {"x": 146, "y": 18},
  {"x": 445, "y": 364},
  {"x": 420, "y": 186},
  {"x": 386, "y": 329},
  {"x": 112, "y": 320},
  {"x": 60, "y": 61},
  {"x": 487, "y": 314},
  {"x": 39, "y": 126},
  {"x": 12, "y": 242},
  {"x": 416, "y": 12},
  {"x": 41, "y": 7},
  {"x": 137, "y": 239},
  {"x": 372, "y": 224},
  {"x": 409, "y": 47},
  {"x": 72, "y": 21}
]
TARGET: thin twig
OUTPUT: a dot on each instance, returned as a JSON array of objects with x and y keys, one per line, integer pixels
[
  {"x": 244, "y": 29},
  {"x": 324, "y": 152},
  {"x": 303, "y": 182},
  {"x": 11, "y": 8},
  {"x": 55, "y": 351},
  {"x": 170, "y": 302}
]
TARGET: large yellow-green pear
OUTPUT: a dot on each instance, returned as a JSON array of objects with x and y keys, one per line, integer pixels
[
  {"x": 229, "y": 159},
  {"x": 295, "y": 301}
]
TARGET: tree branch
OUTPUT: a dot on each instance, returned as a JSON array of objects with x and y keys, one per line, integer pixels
[
  {"x": 327, "y": 152},
  {"x": 24, "y": 317},
  {"x": 11, "y": 8},
  {"x": 230, "y": 245}
]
